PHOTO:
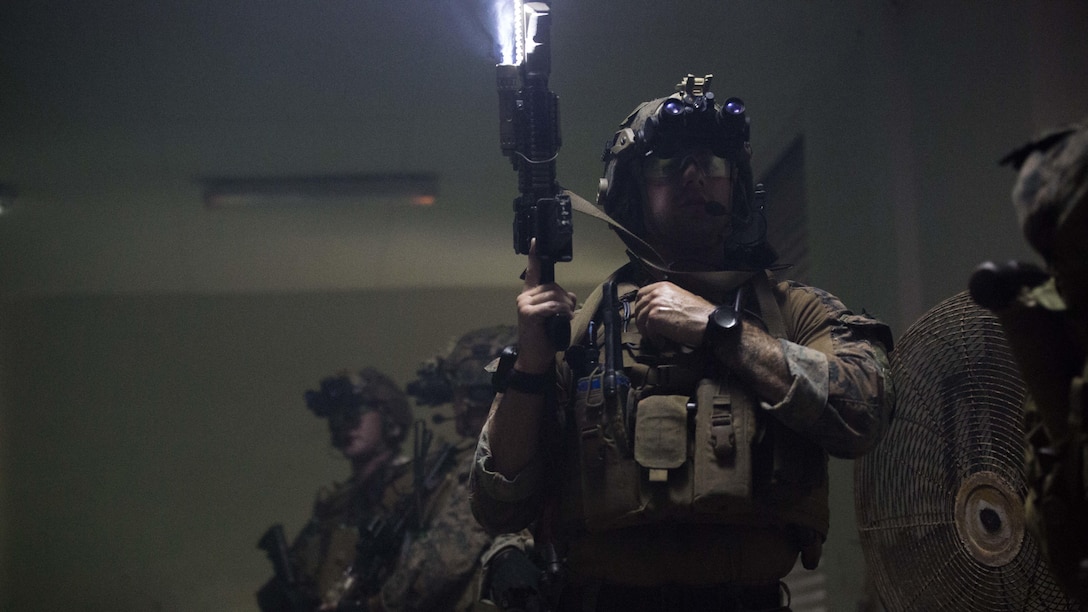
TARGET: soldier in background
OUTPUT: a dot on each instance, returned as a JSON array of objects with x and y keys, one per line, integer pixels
[
  {"x": 392, "y": 537},
  {"x": 1045, "y": 317},
  {"x": 369, "y": 417},
  {"x": 442, "y": 568}
]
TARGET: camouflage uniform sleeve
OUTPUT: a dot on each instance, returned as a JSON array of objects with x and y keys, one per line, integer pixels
[
  {"x": 500, "y": 504},
  {"x": 442, "y": 564},
  {"x": 841, "y": 394}
]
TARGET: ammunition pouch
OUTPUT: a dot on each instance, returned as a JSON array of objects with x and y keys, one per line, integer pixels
[
  {"x": 338, "y": 559},
  {"x": 725, "y": 428},
  {"x": 661, "y": 435},
  {"x": 609, "y": 476},
  {"x": 725, "y": 463},
  {"x": 684, "y": 447}
]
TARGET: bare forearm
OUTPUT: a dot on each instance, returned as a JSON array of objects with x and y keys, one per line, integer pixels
[
  {"x": 757, "y": 358},
  {"x": 837, "y": 398}
]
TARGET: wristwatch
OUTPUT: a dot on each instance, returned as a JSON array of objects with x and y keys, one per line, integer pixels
[
  {"x": 723, "y": 323},
  {"x": 506, "y": 377},
  {"x": 532, "y": 384}
]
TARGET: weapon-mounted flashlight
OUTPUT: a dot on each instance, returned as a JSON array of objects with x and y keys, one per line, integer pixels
[{"x": 529, "y": 136}]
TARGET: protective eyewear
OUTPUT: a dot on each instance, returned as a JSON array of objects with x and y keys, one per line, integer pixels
[{"x": 663, "y": 169}]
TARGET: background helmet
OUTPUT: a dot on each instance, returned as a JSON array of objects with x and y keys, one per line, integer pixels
[
  {"x": 473, "y": 351},
  {"x": 1053, "y": 179},
  {"x": 343, "y": 397},
  {"x": 461, "y": 364},
  {"x": 1051, "y": 201},
  {"x": 689, "y": 118},
  {"x": 460, "y": 370}
]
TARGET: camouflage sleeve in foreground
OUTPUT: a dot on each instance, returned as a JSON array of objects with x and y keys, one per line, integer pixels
[
  {"x": 500, "y": 504},
  {"x": 441, "y": 568},
  {"x": 842, "y": 394}
]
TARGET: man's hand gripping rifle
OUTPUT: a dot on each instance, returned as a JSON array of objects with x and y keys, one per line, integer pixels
[{"x": 529, "y": 136}]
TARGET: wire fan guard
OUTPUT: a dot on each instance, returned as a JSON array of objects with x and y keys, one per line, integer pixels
[{"x": 940, "y": 500}]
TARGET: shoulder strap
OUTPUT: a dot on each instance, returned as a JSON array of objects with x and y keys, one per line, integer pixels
[
  {"x": 651, "y": 260},
  {"x": 768, "y": 306},
  {"x": 640, "y": 246}
]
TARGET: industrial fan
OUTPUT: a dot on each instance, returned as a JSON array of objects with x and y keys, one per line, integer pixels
[{"x": 940, "y": 501}]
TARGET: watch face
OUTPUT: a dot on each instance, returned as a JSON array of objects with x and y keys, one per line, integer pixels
[{"x": 724, "y": 317}]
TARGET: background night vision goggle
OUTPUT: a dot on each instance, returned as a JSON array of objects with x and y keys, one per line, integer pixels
[
  {"x": 338, "y": 395},
  {"x": 694, "y": 122},
  {"x": 438, "y": 379}
]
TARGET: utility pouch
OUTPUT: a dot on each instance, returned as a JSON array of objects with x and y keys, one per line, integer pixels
[
  {"x": 609, "y": 474},
  {"x": 338, "y": 558},
  {"x": 725, "y": 426},
  {"x": 661, "y": 434}
]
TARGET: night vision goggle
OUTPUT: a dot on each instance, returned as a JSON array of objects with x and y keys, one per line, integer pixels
[
  {"x": 337, "y": 395},
  {"x": 689, "y": 120},
  {"x": 437, "y": 380}
]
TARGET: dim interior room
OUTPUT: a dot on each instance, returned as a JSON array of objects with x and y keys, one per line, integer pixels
[{"x": 159, "y": 326}]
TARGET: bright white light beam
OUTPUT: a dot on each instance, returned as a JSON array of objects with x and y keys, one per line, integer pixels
[{"x": 517, "y": 28}]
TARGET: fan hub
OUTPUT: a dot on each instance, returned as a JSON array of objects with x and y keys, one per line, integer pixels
[{"x": 989, "y": 519}]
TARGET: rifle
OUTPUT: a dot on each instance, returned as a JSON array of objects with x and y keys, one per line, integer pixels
[
  {"x": 529, "y": 136},
  {"x": 282, "y": 593}
]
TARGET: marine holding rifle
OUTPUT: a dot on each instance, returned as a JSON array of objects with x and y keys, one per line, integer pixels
[
  {"x": 369, "y": 418},
  {"x": 394, "y": 537},
  {"x": 674, "y": 457}
]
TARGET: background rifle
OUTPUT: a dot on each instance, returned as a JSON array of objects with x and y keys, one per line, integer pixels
[
  {"x": 282, "y": 593},
  {"x": 382, "y": 536},
  {"x": 529, "y": 136}
]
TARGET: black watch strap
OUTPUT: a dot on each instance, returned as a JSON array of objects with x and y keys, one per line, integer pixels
[
  {"x": 506, "y": 377},
  {"x": 533, "y": 384},
  {"x": 724, "y": 321}
]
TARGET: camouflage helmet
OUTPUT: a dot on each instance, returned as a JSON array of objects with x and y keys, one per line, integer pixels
[
  {"x": 1051, "y": 201},
  {"x": 1053, "y": 179},
  {"x": 464, "y": 364},
  {"x": 461, "y": 364},
  {"x": 346, "y": 394},
  {"x": 689, "y": 118},
  {"x": 465, "y": 367}
]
